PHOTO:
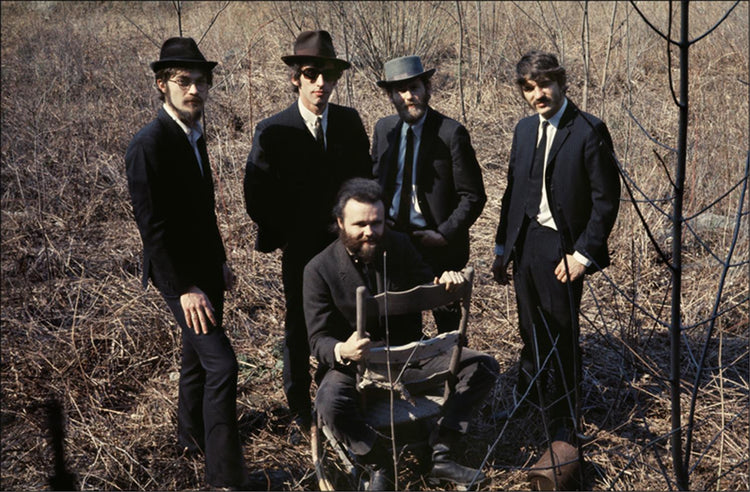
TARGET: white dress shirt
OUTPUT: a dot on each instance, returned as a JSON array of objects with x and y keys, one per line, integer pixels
[{"x": 309, "y": 118}]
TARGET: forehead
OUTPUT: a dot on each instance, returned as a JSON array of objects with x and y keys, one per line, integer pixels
[
  {"x": 412, "y": 84},
  {"x": 193, "y": 73},
  {"x": 542, "y": 81},
  {"x": 355, "y": 211}
]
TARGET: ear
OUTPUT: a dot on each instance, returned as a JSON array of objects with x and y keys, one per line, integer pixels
[
  {"x": 295, "y": 81},
  {"x": 340, "y": 223},
  {"x": 161, "y": 85}
]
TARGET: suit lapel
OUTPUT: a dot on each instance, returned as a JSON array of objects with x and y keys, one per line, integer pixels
[
  {"x": 563, "y": 131},
  {"x": 189, "y": 165},
  {"x": 347, "y": 273},
  {"x": 390, "y": 158}
]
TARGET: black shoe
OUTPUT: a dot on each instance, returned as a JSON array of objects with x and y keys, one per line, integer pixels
[
  {"x": 381, "y": 477},
  {"x": 299, "y": 430},
  {"x": 444, "y": 468}
]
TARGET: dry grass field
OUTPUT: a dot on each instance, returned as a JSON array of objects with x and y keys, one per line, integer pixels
[{"x": 77, "y": 327}]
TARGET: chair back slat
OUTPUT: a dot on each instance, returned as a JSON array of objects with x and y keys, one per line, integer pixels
[{"x": 373, "y": 372}]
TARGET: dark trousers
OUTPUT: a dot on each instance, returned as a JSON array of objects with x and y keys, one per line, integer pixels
[
  {"x": 548, "y": 319},
  {"x": 296, "y": 371},
  {"x": 448, "y": 317},
  {"x": 207, "y": 400},
  {"x": 338, "y": 401}
]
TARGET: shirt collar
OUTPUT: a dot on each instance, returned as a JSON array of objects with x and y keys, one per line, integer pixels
[
  {"x": 309, "y": 117},
  {"x": 194, "y": 133},
  {"x": 416, "y": 127},
  {"x": 555, "y": 120}
]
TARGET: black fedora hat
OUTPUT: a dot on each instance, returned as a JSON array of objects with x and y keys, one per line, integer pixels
[
  {"x": 181, "y": 52},
  {"x": 403, "y": 69},
  {"x": 314, "y": 45}
]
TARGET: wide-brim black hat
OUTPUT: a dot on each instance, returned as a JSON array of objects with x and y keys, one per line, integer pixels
[
  {"x": 403, "y": 69},
  {"x": 181, "y": 52},
  {"x": 314, "y": 45}
]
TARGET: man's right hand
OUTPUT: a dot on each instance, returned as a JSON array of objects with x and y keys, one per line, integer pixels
[
  {"x": 355, "y": 348},
  {"x": 199, "y": 312},
  {"x": 500, "y": 271}
]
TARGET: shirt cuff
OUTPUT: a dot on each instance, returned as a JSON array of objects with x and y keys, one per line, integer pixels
[
  {"x": 581, "y": 259},
  {"x": 499, "y": 250},
  {"x": 337, "y": 354}
]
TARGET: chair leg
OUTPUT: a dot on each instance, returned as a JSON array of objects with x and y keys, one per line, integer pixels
[{"x": 324, "y": 484}]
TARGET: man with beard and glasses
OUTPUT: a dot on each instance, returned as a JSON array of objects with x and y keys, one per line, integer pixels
[
  {"x": 330, "y": 283},
  {"x": 429, "y": 173},
  {"x": 299, "y": 159},
  {"x": 558, "y": 210},
  {"x": 172, "y": 192}
]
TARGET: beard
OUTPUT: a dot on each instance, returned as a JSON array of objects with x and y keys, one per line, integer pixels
[
  {"x": 189, "y": 117},
  {"x": 412, "y": 113},
  {"x": 366, "y": 251}
]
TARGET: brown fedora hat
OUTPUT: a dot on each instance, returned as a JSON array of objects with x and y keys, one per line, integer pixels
[
  {"x": 403, "y": 69},
  {"x": 314, "y": 45},
  {"x": 181, "y": 52}
]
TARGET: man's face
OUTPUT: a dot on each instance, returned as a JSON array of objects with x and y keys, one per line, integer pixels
[
  {"x": 361, "y": 228},
  {"x": 316, "y": 83},
  {"x": 544, "y": 96},
  {"x": 410, "y": 99},
  {"x": 186, "y": 93}
]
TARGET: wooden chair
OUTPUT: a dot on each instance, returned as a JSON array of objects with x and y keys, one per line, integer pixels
[{"x": 415, "y": 402}]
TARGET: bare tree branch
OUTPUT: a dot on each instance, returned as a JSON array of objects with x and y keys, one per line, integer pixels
[
  {"x": 715, "y": 26},
  {"x": 141, "y": 31},
  {"x": 210, "y": 25},
  {"x": 653, "y": 28}
]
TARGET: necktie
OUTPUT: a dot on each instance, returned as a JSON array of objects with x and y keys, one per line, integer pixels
[
  {"x": 404, "y": 204},
  {"x": 319, "y": 133},
  {"x": 536, "y": 178},
  {"x": 203, "y": 163}
]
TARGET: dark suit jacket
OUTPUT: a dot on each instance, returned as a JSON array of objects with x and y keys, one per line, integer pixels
[
  {"x": 449, "y": 181},
  {"x": 174, "y": 209},
  {"x": 583, "y": 185},
  {"x": 330, "y": 284},
  {"x": 291, "y": 185}
]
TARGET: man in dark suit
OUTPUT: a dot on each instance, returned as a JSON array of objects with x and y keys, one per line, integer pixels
[
  {"x": 330, "y": 283},
  {"x": 169, "y": 178},
  {"x": 557, "y": 212},
  {"x": 298, "y": 161},
  {"x": 444, "y": 193}
]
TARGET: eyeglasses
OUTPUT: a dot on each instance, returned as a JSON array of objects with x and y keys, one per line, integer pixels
[
  {"x": 329, "y": 74},
  {"x": 185, "y": 82}
]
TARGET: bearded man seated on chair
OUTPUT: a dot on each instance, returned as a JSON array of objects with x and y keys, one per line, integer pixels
[{"x": 330, "y": 283}]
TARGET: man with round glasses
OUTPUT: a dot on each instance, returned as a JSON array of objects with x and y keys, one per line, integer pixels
[
  {"x": 299, "y": 159},
  {"x": 169, "y": 179}
]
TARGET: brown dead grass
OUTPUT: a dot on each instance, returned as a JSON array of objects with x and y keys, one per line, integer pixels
[{"x": 76, "y": 325}]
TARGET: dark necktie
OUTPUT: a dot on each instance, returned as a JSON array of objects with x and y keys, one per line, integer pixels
[
  {"x": 319, "y": 133},
  {"x": 536, "y": 179},
  {"x": 404, "y": 204},
  {"x": 201, "y": 143}
]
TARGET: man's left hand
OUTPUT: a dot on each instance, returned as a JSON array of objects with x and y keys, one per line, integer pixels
[
  {"x": 451, "y": 280},
  {"x": 575, "y": 269},
  {"x": 429, "y": 238}
]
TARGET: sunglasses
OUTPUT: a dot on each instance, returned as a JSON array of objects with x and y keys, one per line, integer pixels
[{"x": 329, "y": 75}]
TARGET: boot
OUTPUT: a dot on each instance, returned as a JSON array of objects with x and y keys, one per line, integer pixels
[
  {"x": 444, "y": 468},
  {"x": 380, "y": 466},
  {"x": 381, "y": 477}
]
